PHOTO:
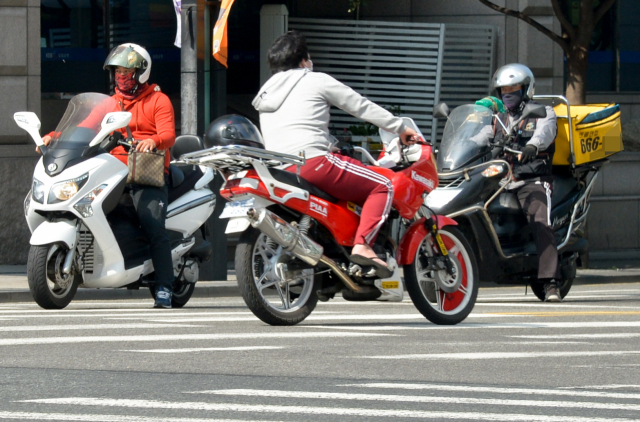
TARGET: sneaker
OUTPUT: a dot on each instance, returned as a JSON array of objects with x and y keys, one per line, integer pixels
[
  {"x": 163, "y": 298},
  {"x": 551, "y": 293}
]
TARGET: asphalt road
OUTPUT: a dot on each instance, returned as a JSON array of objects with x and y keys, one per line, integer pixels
[{"x": 513, "y": 359}]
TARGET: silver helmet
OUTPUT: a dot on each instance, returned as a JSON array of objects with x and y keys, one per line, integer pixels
[
  {"x": 514, "y": 74},
  {"x": 131, "y": 56}
]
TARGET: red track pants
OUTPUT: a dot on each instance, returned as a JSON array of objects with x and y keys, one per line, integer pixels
[{"x": 349, "y": 180}]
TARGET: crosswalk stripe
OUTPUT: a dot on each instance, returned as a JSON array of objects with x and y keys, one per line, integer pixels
[
  {"x": 498, "y": 325},
  {"x": 179, "y": 337},
  {"x": 18, "y": 328},
  {"x": 206, "y": 349},
  {"x": 419, "y": 399},
  {"x": 311, "y": 410},
  {"x": 502, "y": 355},
  {"x": 483, "y": 389},
  {"x": 102, "y": 418},
  {"x": 580, "y": 336}
]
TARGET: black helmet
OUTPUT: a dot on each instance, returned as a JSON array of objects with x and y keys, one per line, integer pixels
[{"x": 233, "y": 129}]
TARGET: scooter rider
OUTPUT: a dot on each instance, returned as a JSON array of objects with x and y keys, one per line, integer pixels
[
  {"x": 515, "y": 85},
  {"x": 153, "y": 126}
]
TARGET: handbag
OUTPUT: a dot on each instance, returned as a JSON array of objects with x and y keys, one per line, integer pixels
[{"x": 146, "y": 168}]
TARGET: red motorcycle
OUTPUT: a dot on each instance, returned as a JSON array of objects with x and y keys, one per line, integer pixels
[{"x": 296, "y": 240}]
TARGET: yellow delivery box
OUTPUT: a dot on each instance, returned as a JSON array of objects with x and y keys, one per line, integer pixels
[{"x": 595, "y": 133}]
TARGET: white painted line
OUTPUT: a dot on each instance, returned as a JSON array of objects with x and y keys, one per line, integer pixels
[
  {"x": 571, "y": 297},
  {"x": 466, "y": 325},
  {"x": 546, "y": 306},
  {"x": 206, "y": 349},
  {"x": 603, "y": 387},
  {"x": 501, "y": 355},
  {"x": 419, "y": 399},
  {"x": 89, "y": 327},
  {"x": 479, "y": 389},
  {"x": 312, "y": 317},
  {"x": 309, "y": 410},
  {"x": 179, "y": 337},
  {"x": 101, "y": 418},
  {"x": 570, "y": 336}
]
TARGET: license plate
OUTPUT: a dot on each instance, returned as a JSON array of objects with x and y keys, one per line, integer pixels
[
  {"x": 237, "y": 209},
  {"x": 390, "y": 284}
]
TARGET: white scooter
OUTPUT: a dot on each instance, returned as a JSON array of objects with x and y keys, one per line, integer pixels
[{"x": 84, "y": 228}]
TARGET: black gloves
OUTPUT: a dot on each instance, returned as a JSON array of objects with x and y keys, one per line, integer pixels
[{"x": 529, "y": 152}]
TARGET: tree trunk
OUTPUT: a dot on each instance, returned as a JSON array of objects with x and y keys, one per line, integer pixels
[{"x": 577, "y": 64}]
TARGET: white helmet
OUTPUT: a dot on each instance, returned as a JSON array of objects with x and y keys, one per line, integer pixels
[
  {"x": 514, "y": 74},
  {"x": 130, "y": 56}
]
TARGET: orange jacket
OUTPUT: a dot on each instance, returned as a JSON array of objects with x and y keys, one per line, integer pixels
[{"x": 152, "y": 117}]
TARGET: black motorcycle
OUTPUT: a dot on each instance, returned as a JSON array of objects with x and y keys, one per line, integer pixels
[{"x": 473, "y": 175}]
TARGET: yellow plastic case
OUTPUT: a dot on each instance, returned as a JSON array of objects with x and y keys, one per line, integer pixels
[{"x": 596, "y": 133}]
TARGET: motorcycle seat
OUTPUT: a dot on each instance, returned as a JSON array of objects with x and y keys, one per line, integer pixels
[
  {"x": 290, "y": 178},
  {"x": 183, "y": 178}
]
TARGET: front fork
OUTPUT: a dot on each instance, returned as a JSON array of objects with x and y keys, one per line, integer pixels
[{"x": 441, "y": 259}]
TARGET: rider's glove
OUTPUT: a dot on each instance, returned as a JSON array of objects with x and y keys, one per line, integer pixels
[
  {"x": 529, "y": 152},
  {"x": 492, "y": 103}
]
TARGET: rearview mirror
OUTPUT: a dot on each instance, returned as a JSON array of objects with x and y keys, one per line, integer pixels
[
  {"x": 534, "y": 110},
  {"x": 28, "y": 121},
  {"x": 441, "y": 111},
  {"x": 112, "y": 121}
]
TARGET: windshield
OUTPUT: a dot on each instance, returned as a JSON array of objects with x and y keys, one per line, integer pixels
[
  {"x": 81, "y": 121},
  {"x": 462, "y": 139}
]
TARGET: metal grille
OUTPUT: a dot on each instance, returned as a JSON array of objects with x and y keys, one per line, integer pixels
[
  {"x": 450, "y": 183},
  {"x": 86, "y": 249},
  {"x": 412, "y": 66}
]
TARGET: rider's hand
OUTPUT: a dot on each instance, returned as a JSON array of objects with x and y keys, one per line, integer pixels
[
  {"x": 46, "y": 140},
  {"x": 146, "y": 145},
  {"x": 409, "y": 136},
  {"x": 529, "y": 152}
]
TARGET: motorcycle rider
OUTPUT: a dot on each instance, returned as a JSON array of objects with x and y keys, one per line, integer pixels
[
  {"x": 153, "y": 127},
  {"x": 515, "y": 86},
  {"x": 294, "y": 109}
]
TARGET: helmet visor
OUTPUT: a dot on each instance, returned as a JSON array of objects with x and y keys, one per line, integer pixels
[{"x": 125, "y": 56}]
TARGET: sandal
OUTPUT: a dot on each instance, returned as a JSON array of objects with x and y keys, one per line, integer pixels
[{"x": 382, "y": 270}]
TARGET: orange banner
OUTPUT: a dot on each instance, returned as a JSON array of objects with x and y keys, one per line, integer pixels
[{"x": 220, "y": 49}]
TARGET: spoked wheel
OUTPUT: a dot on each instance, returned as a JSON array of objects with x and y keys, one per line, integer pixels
[
  {"x": 443, "y": 298},
  {"x": 563, "y": 288},
  {"x": 182, "y": 289},
  {"x": 272, "y": 288},
  {"x": 49, "y": 286}
]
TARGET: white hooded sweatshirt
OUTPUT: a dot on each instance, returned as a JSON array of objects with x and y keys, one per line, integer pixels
[{"x": 294, "y": 111}]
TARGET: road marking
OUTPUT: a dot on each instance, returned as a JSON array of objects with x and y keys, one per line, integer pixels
[
  {"x": 541, "y": 305},
  {"x": 89, "y": 327},
  {"x": 563, "y": 313},
  {"x": 309, "y": 410},
  {"x": 102, "y": 418},
  {"x": 206, "y": 349},
  {"x": 418, "y": 399},
  {"x": 178, "y": 337},
  {"x": 480, "y": 389},
  {"x": 570, "y": 336},
  {"x": 604, "y": 387},
  {"x": 501, "y": 355},
  {"x": 571, "y": 297},
  {"x": 474, "y": 325}
]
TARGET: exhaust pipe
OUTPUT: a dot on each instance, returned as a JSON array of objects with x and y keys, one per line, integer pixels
[{"x": 286, "y": 235}]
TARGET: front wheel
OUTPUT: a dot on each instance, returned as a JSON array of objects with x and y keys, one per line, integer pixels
[
  {"x": 563, "y": 288},
  {"x": 49, "y": 286},
  {"x": 272, "y": 287},
  {"x": 444, "y": 299}
]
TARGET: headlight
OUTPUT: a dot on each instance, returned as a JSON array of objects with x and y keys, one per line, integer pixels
[
  {"x": 37, "y": 191},
  {"x": 66, "y": 190},
  {"x": 493, "y": 170},
  {"x": 83, "y": 206}
]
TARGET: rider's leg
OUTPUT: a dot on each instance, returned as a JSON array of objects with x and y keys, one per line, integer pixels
[
  {"x": 151, "y": 205},
  {"x": 535, "y": 199},
  {"x": 348, "y": 179}
]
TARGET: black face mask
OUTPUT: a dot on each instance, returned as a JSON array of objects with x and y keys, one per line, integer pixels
[{"x": 512, "y": 100}]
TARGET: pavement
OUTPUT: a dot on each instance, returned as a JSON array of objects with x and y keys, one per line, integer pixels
[{"x": 15, "y": 288}]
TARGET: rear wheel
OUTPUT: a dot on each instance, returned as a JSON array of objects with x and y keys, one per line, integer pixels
[
  {"x": 273, "y": 292},
  {"x": 443, "y": 298},
  {"x": 563, "y": 288},
  {"x": 49, "y": 286}
]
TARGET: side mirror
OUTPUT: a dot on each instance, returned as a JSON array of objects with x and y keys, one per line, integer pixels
[
  {"x": 441, "y": 111},
  {"x": 112, "y": 121},
  {"x": 28, "y": 121},
  {"x": 534, "y": 110}
]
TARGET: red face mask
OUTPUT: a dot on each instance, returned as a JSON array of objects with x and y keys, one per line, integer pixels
[{"x": 125, "y": 83}]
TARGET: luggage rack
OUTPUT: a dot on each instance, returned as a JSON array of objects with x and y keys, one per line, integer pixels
[{"x": 236, "y": 158}]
